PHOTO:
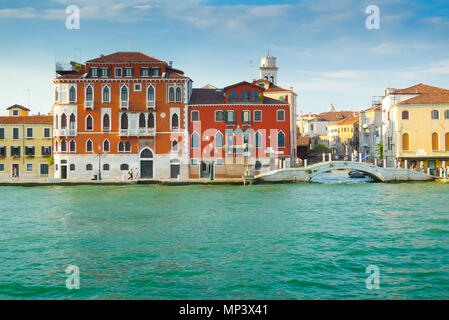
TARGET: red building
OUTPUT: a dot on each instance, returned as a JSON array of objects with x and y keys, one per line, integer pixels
[{"x": 237, "y": 127}]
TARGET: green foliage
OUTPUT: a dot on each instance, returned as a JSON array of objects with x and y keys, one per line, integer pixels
[
  {"x": 380, "y": 150},
  {"x": 331, "y": 166},
  {"x": 50, "y": 161},
  {"x": 319, "y": 147},
  {"x": 260, "y": 97},
  {"x": 308, "y": 171}
]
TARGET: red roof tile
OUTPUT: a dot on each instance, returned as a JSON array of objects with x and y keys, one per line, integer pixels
[
  {"x": 18, "y": 106},
  {"x": 123, "y": 57},
  {"x": 27, "y": 120},
  {"x": 419, "y": 88}
]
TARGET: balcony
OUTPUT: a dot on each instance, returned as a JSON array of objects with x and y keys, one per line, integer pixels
[
  {"x": 124, "y": 104},
  {"x": 64, "y": 132},
  {"x": 142, "y": 132},
  {"x": 89, "y": 105},
  {"x": 151, "y": 105}
]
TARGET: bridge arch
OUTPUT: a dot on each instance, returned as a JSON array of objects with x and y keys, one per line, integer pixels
[{"x": 324, "y": 167}]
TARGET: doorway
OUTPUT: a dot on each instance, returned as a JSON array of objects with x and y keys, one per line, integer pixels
[
  {"x": 15, "y": 170},
  {"x": 146, "y": 169},
  {"x": 175, "y": 170},
  {"x": 205, "y": 170},
  {"x": 63, "y": 172}
]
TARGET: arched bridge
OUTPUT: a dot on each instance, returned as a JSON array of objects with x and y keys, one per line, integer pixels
[{"x": 305, "y": 174}]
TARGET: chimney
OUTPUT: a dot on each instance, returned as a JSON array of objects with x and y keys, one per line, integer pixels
[{"x": 170, "y": 64}]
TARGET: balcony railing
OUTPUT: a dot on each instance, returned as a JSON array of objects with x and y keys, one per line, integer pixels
[
  {"x": 124, "y": 104},
  {"x": 64, "y": 132},
  {"x": 142, "y": 132},
  {"x": 151, "y": 105},
  {"x": 89, "y": 104}
]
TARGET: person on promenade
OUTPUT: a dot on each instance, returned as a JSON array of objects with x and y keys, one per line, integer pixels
[
  {"x": 130, "y": 174},
  {"x": 137, "y": 174}
]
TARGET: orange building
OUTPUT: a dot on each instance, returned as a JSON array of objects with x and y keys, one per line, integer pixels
[{"x": 120, "y": 112}]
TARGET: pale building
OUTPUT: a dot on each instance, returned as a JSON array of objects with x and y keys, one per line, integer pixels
[
  {"x": 268, "y": 69},
  {"x": 370, "y": 133}
]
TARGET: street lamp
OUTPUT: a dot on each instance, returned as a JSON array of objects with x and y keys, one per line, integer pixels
[{"x": 100, "y": 155}]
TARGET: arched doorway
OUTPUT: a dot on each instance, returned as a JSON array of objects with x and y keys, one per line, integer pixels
[{"x": 146, "y": 163}]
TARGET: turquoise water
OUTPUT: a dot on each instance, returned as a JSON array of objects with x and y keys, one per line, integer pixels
[{"x": 284, "y": 241}]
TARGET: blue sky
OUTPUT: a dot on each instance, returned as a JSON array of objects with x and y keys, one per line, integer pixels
[{"x": 323, "y": 48}]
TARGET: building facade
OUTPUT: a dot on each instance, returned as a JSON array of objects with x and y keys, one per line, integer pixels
[
  {"x": 120, "y": 112},
  {"x": 25, "y": 144},
  {"x": 416, "y": 127},
  {"x": 370, "y": 130},
  {"x": 237, "y": 127},
  {"x": 343, "y": 136}
]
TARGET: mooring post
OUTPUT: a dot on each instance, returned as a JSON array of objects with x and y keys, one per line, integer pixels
[
  {"x": 360, "y": 157},
  {"x": 324, "y": 157},
  {"x": 384, "y": 162},
  {"x": 330, "y": 157},
  {"x": 406, "y": 164},
  {"x": 305, "y": 163},
  {"x": 428, "y": 171}
]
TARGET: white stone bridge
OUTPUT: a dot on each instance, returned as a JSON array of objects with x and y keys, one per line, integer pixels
[{"x": 380, "y": 174}]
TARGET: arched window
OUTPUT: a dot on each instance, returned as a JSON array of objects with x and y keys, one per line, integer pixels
[
  {"x": 56, "y": 145},
  {"x": 72, "y": 94},
  {"x": 405, "y": 142},
  {"x": 405, "y": 115},
  {"x": 72, "y": 167},
  {"x": 72, "y": 122},
  {"x": 142, "y": 121},
  {"x": 89, "y": 123},
  {"x": 89, "y": 146},
  {"x": 171, "y": 94},
  {"x": 435, "y": 142},
  {"x": 106, "y": 167},
  {"x": 281, "y": 140},
  {"x": 89, "y": 167},
  {"x": 63, "y": 121},
  {"x": 56, "y": 94},
  {"x": 174, "y": 121},
  {"x": 106, "y": 145},
  {"x": 124, "y": 167},
  {"x": 106, "y": 94},
  {"x": 218, "y": 140},
  {"x": 124, "y": 121},
  {"x": 89, "y": 93},
  {"x": 178, "y": 94},
  {"x": 150, "y": 94},
  {"x": 63, "y": 146},
  {"x": 195, "y": 143},
  {"x": 151, "y": 120},
  {"x": 121, "y": 147},
  {"x": 446, "y": 114},
  {"x": 124, "y": 93},
  {"x": 56, "y": 122},
  {"x": 258, "y": 139},
  {"x": 146, "y": 153},
  {"x": 106, "y": 122},
  {"x": 435, "y": 115},
  {"x": 174, "y": 145},
  {"x": 127, "y": 146},
  {"x": 72, "y": 146},
  {"x": 446, "y": 138}
]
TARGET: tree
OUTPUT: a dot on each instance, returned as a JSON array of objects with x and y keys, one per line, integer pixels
[{"x": 380, "y": 150}]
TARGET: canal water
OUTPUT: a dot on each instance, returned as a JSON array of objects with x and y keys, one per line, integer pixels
[{"x": 280, "y": 241}]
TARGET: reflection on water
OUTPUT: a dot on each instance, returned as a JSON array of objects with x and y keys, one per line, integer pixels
[{"x": 339, "y": 177}]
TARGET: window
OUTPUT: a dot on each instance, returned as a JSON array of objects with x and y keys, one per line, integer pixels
[
  {"x": 56, "y": 121},
  {"x": 258, "y": 165},
  {"x": 47, "y": 133},
  {"x": 233, "y": 95},
  {"x": 124, "y": 167},
  {"x": 15, "y": 112},
  {"x": 29, "y": 167},
  {"x": 124, "y": 94},
  {"x": 106, "y": 146},
  {"x": 63, "y": 146},
  {"x": 258, "y": 139},
  {"x": 194, "y": 162},
  {"x": 89, "y": 146},
  {"x": 219, "y": 140},
  {"x": 72, "y": 167},
  {"x": 29, "y": 132},
  {"x": 106, "y": 167},
  {"x": 44, "y": 168},
  {"x": 106, "y": 94},
  {"x": 137, "y": 87},
  {"x": 151, "y": 121},
  {"x": 246, "y": 95},
  {"x": 246, "y": 117},
  {"x": 150, "y": 94},
  {"x": 171, "y": 94},
  {"x": 155, "y": 72},
  {"x": 105, "y": 72},
  {"x": 174, "y": 146},
  {"x": 72, "y": 94},
  {"x": 142, "y": 121},
  {"x": 2, "y": 167},
  {"x": 281, "y": 140},
  {"x": 280, "y": 115},
  {"x": 46, "y": 151},
  {"x": 89, "y": 93},
  {"x": 230, "y": 117},
  {"x": 405, "y": 115},
  {"x": 195, "y": 115},
  {"x": 219, "y": 116},
  {"x": 174, "y": 122},
  {"x": 56, "y": 145},
  {"x": 255, "y": 95},
  {"x": 106, "y": 122},
  {"x": 258, "y": 115},
  {"x": 435, "y": 142},
  {"x": 435, "y": 115},
  {"x": 89, "y": 123},
  {"x": 94, "y": 72},
  {"x": 2, "y": 133},
  {"x": 72, "y": 122},
  {"x": 446, "y": 114},
  {"x": 195, "y": 140},
  {"x": 405, "y": 142},
  {"x": 3, "y": 152},
  {"x": 219, "y": 161},
  {"x": 89, "y": 167},
  {"x": 72, "y": 146},
  {"x": 15, "y": 133},
  {"x": 128, "y": 146},
  {"x": 121, "y": 147},
  {"x": 129, "y": 72},
  {"x": 124, "y": 121},
  {"x": 15, "y": 151},
  {"x": 446, "y": 138},
  {"x": 178, "y": 94},
  {"x": 118, "y": 72},
  {"x": 145, "y": 72},
  {"x": 29, "y": 151}
]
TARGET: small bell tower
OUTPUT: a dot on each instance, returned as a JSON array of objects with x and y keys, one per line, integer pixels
[{"x": 268, "y": 69}]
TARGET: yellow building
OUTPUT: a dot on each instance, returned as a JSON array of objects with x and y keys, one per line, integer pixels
[
  {"x": 416, "y": 127},
  {"x": 25, "y": 144},
  {"x": 343, "y": 135}
]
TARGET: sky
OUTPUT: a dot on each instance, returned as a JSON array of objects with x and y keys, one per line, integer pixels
[{"x": 324, "y": 49}]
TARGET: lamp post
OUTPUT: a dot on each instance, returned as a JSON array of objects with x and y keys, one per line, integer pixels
[{"x": 100, "y": 155}]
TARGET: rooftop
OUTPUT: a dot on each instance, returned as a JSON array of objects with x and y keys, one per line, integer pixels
[
  {"x": 18, "y": 106},
  {"x": 216, "y": 96},
  {"x": 124, "y": 56},
  {"x": 27, "y": 120}
]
